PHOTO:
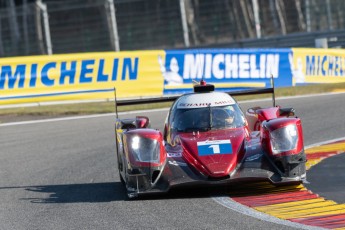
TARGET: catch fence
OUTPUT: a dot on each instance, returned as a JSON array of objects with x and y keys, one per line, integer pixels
[{"x": 55, "y": 27}]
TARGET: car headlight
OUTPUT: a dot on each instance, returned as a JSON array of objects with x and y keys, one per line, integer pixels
[
  {"x": 284, "y": 139},
  {"x": 145, "y": 149}
]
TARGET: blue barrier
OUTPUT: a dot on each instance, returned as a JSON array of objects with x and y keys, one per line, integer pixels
[{"x": 233, "y": 69}]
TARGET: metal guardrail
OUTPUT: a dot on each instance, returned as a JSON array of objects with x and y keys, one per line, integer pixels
[{"x": 335, "y": 39}]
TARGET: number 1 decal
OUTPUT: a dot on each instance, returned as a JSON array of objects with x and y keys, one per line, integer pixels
[
  {"x": 213, "y": 147},
  {"x": 216, "y": 149}
]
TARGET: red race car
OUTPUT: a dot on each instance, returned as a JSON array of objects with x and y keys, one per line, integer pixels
[{"x": 208, "y": 140}]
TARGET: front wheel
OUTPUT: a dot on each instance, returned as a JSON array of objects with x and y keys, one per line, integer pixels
[{"x": 121, "y": 179}]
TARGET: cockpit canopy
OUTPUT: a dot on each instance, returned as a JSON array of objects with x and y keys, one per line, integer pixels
[{"x": 219, "y": 112}]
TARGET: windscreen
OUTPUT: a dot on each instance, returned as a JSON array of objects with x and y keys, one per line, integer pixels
[{"x": 208, "y": 118}]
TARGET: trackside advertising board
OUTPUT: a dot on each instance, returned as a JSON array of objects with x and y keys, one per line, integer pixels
[
  {"x": 318, "y": 66},
  {"x": 228, "y": 69},
  {"x": 90, "y": 76},
  {"x": 80, "y": 76}
]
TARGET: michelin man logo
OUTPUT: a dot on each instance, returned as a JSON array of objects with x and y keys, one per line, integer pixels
[
  {"x": 297, "y": 71},
  {"x": 171, "y": 75}
]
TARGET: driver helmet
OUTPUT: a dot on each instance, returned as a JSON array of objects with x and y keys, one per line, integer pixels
[{"x": 223, "y": 118}]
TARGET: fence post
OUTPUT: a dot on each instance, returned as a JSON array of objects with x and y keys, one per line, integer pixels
[
  {"x": 39, "y": 27},
  {"x": 2, "y": 53},
  {"x": 14, "y": 29},
  {"x": 184, "y": 23},
  {"x": 114, "y": 37},
  {"x": 329, "y": 15},
  {"x": 43, "y": 8},
  {"x": 25, "y": 26},
  {"x": 257, "y": 18},
  {"x": 307, "y": 12}
]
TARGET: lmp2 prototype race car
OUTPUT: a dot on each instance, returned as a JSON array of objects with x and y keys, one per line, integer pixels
[{"x": 207, "y": 140}]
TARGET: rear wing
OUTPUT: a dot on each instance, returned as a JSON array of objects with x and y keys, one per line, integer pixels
[{"x": 201, "y": 85}]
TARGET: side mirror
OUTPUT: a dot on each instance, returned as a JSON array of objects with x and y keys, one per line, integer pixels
[
  {"x": 287, "y": 112},
  {"x": 142, "y": 122}
]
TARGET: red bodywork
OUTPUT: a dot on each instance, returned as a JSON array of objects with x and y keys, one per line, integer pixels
[
  {"x": 217, "y": 165},
  {"x": 153, "y": 135},
  {"x": 269, "y": 126},
  {"x": 251, "y": 156},
  {"x": 267, "y": 113}
]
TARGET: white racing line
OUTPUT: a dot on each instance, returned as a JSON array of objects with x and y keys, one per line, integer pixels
[
  {"x": 80, "y": 117},
  {"x": 225, "y": 201}
]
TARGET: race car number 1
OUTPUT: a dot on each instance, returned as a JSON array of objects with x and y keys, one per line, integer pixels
[{"x": 214, "y": 147}]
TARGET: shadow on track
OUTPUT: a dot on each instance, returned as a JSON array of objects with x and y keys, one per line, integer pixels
[
  {"x": 187, "y": 193},
  {"x": 115, "y": 191},
  {"x": 102, "y": 192},
  {"x": 78, "y": 193},
  {"x": 107, "y": 192}
]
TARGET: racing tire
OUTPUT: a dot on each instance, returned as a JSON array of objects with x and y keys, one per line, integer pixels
[{"x": 121, "y": 179}]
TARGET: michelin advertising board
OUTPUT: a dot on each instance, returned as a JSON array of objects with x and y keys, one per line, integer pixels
[
  {"x": 228, "y": 69},
  {"x": 317, "y": 66},
  {"x": 90, "y": 76},
  {"x": 80, "y": 76}
]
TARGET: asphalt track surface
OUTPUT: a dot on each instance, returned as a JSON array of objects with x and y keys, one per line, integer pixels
[{"x": 63, "y": 175}]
